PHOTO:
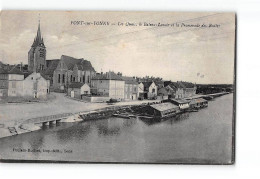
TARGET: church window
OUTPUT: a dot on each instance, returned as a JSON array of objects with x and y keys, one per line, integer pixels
[
  {"x": 63, "y": 78},
  {"x": 71, "y": 78},
  {"x": 59, "y": 79},
  {"x": 83, "y": 79},
  {"x": 88, "y": 79}
]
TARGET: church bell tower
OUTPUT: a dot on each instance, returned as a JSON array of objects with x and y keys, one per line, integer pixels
[{"x": 37, "y": 54}]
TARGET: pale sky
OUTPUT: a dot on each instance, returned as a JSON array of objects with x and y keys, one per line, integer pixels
[{"x": 195, "y": 54}]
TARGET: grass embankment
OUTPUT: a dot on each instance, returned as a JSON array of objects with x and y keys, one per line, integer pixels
[{"x": 16, "y": 99}]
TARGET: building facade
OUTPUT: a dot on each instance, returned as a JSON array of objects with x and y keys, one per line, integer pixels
[
  {"x": 70, "y": 70},
  {"x": 108, "y": 85},
  {"x": 179, "y": 89},
  {"x": 13, "y": 84},
  {"x": 150, "y": 90},
  {"x": 76, "y": 90},
  {"x": 140, "y": 91},
  {"x": 131, "y": 88}
]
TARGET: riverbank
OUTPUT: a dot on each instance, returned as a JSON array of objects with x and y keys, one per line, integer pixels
[
  {"x": 60, "y": 107},
  {"x": 14, "y": 127}
]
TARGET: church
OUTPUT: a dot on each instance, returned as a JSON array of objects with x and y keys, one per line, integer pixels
[
  {"x": 61, "y": 72},
  {"x": 37, "y": 54}
]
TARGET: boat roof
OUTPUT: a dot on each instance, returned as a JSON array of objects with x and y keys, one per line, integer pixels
[
  {"x": 180, "y": 101},
  {"x": 198, "y": 100},
  {"x": 164, "y": 106}
]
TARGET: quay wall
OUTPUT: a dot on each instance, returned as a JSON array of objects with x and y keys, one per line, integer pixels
[{"x": 30, "y": 125}]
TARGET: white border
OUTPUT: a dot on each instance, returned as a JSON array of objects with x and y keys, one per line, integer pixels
[{"x": 248, "y": 92}]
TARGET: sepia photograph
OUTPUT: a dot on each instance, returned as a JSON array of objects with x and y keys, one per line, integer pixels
[{"x": 117, "y": 87}]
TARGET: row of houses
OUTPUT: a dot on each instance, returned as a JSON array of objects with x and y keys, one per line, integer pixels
[
  {"x": 117, "y": 86},
  {"x": 14, "y": 83},
  {"x": 77, "y": 77}
]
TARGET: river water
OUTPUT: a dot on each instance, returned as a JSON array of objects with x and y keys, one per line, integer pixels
[{"x": 198, "y": 137}]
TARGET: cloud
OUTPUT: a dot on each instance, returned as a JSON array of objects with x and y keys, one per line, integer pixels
[{"x": 15, "y": 49}]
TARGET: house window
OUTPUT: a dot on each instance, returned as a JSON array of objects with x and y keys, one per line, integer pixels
[
  {"x": 63, "y": 78},
  {"x": 59, "y": 79},
  {"x": 74, "y": 79},
  {"x": 13, "y": 84},
  {"x": 80, "y": 79},
  {"x": 35, "y": 86},
  {"x": 153, "y": 90}
]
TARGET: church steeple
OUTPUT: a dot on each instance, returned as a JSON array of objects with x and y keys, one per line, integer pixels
[
  {"x": 38, "y": 41},
  {"x": 37, "y": 53}
]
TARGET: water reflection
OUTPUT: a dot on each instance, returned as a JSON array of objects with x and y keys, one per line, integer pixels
[
  {"x": 175, "y": 119},
  {"x": 76, "y": 132}
]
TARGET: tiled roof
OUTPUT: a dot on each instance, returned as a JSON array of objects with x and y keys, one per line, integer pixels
[
  {"x": 186, "y": 84},
  {"x": 42, "y": 75},
  {"x": 199, "y": 100},
  {"x": 51, "y": 66},
  {"x": 14, "y": 70},
  {"x": 129, "y": 80},
  {"x": 76, "y": 85},
  {"x": 164, "y": 106},
  {"x": 82, "y": 64},
  {"x": 180, "y": 101},
  {"x": 107, "y": 76},
  {"x": 179, "y": 84},
  {"x": 147, "y": 84}
]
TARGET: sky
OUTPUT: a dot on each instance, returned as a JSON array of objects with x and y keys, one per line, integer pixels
[{"x": 185, "y": 52}]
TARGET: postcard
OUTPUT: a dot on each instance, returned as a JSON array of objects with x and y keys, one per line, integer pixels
[{"x": 117, "y": 87}]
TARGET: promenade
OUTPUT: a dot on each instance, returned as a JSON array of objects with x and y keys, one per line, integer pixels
[{"x": 12, "y": 114}]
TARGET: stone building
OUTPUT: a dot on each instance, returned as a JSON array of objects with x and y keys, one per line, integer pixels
[
  {"x": 13, "y": 84},
  {"x": 140, "y": 90},
  {"x": 108, "y": 85},
  {"x": 131, "y": 88},
  {"x": 76, "y": 90},
  {"x": 150, "y": 90},
  {"x": 179, "y": 89}
]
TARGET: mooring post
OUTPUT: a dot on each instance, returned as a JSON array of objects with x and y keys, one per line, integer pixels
[
  {"x": 44, "y": 123},
  {"x": 52, "y": 122}
]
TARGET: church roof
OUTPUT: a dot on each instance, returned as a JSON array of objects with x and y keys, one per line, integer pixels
[{"x": 81, "y": 63}]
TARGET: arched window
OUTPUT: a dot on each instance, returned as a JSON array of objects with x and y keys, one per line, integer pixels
[
  {"x": 59, "y": 79},
  {"x": 63, "y": 78}
]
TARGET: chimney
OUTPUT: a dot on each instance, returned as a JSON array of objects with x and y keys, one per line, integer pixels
[{"x": 21, "y": 66}]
